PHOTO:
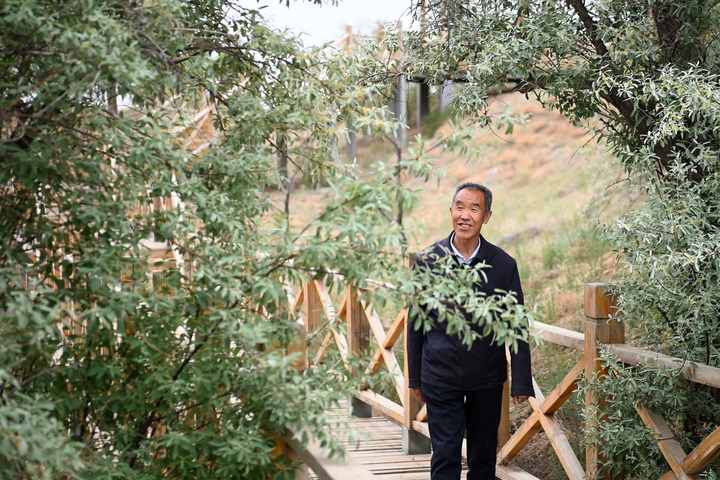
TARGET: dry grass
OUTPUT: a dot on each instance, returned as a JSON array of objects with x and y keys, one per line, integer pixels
[
  {"x": 539, "y": 175},
  {"x": 542, "y": 176},
  {"x": 546, "y": 180}
]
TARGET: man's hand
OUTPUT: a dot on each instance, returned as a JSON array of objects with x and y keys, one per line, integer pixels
[
  {"x": 518, "y": 399},
  {"x": 420, "y": 396}
]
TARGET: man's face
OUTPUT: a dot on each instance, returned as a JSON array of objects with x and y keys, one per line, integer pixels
[{"x": 468, "y": 214}]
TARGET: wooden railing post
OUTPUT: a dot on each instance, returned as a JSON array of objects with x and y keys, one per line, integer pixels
[
  {"x": 504, "y": 429},
  {"x": 599, "y": 329},
  {"x": 292, "y": 450},
  {"x": 358, "y": 341},
  {"x": 313, "y": 311},
  {"x": 299, "y": 348},
  {"x": 413, "y": 442}
]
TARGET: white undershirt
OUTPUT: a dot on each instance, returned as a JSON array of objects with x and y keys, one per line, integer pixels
[{"x": 459, "y": 255}]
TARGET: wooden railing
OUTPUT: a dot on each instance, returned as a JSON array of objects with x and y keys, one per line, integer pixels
[{"x": 321, "y": 319}]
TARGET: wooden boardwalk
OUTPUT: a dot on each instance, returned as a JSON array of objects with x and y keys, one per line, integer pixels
[{"x": 376, "y": 444}]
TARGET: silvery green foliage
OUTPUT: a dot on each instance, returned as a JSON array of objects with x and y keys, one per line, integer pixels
[
  {"x": 103, "y": 375},
  {"x": 445, "y": 288},
  {"x": 643, "y": 75}
]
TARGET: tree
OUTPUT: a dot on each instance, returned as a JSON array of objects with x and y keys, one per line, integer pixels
[
  {"x": 644, "y": 76},
  {"x": 111, "y": 369}
]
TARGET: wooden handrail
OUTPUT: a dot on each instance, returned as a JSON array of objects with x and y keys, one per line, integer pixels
[
  {"x": 558, "y": 335},
  {"x": 602, "y": 333},
  {"x": 693, "y": 372},
  {"x": 324, "y": 466}
]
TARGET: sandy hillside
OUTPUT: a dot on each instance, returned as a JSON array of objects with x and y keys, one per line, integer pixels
[{"x": 542, "y": 177}]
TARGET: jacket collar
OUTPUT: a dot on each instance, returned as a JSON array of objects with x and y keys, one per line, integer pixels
[{"x": 444, "y": 247}]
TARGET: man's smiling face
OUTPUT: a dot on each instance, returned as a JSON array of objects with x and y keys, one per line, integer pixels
[{"x": 468, "y": 214}]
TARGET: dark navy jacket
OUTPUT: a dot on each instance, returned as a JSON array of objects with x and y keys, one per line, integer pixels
[{"x": 439, "y": 359}]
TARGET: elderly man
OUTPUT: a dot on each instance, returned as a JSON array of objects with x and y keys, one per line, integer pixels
[{"x": 462, "y": 386}]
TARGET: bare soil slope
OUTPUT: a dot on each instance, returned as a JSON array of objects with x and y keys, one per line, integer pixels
[{"x": 540, "y": 175}]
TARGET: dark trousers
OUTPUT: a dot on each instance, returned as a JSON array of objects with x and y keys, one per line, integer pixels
[{"x": 451, "y": 415}]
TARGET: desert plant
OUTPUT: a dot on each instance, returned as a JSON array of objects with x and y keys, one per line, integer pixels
[{"x": 648, "y": 71}]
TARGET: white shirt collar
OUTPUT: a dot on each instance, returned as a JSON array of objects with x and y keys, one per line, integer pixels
[{"x": 459, "y": 255}]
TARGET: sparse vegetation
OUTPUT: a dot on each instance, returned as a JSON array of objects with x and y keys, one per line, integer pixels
[
  {"x": 547, "y": 221},
  {"x": 123, "y": 372},
  {"x": 644, "y": 77}
]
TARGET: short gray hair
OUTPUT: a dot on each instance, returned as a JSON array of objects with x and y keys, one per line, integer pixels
[{"x": 476, "y": 187}]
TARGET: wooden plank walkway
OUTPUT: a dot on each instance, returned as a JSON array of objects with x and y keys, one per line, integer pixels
[{"x": 376, "y": 443}]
